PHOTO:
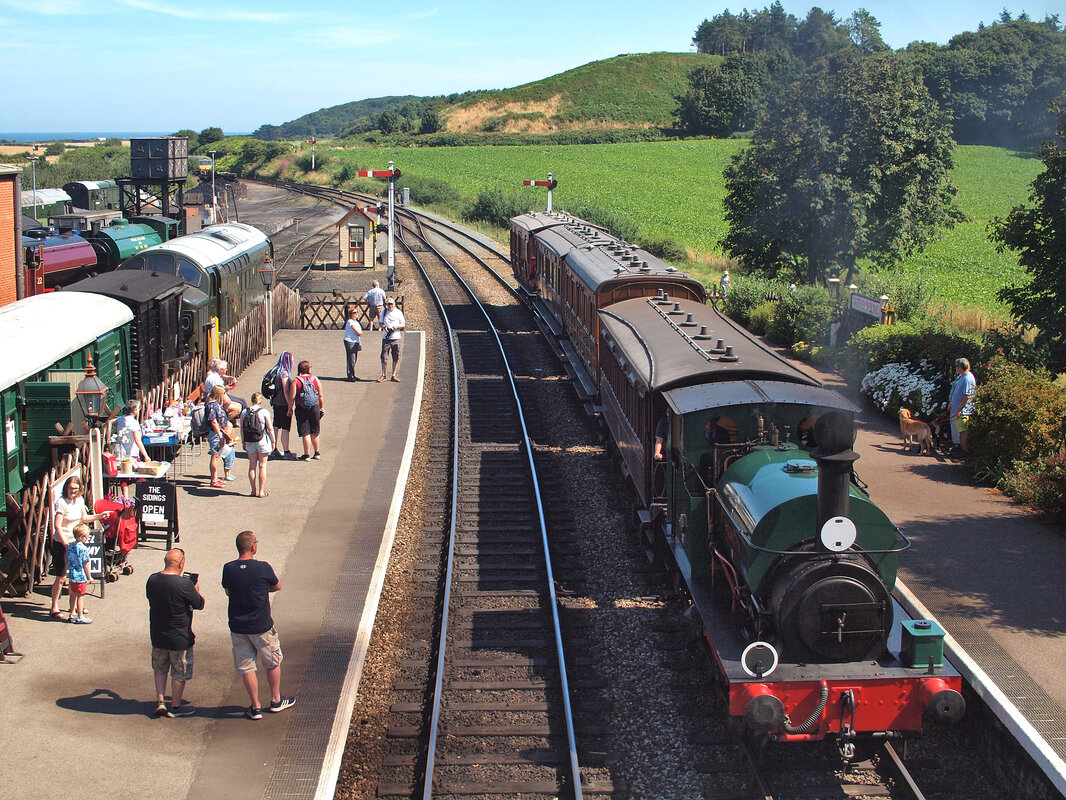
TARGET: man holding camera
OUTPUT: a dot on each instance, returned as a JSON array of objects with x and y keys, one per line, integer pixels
[
  {"x": 392, "y": 324},
  {"x": 172, "y": 597}
]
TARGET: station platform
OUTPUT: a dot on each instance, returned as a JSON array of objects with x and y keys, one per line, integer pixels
[{"x": 75, "y": 712}]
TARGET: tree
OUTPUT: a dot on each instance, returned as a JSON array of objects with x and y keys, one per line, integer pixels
[
  {"x": 1038, "y": 233},
  {"x": 429, "y": 122},
  {"x": 866, "y": 32},
  {"x": 210, "y": 136},
  {"x": 721, "y": 100},
  {"x": 854, "y": 163}
]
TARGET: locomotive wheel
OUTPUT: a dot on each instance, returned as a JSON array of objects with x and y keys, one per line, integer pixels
[{"x": 808, "y": 597}]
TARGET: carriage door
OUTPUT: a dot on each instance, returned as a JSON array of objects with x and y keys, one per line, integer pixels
[{"x": 356, "y": 245}]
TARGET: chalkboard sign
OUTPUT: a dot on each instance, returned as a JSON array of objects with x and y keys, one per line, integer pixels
[{"x": 157, "y": 510}]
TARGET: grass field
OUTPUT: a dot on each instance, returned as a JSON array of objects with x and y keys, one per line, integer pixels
[{"x": 675, "y": 189}]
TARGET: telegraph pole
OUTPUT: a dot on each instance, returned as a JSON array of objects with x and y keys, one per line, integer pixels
[
  {"x": 214, "y": 197},
  {"x": 551, "y": 184},
  {"x": 311, "y": 142},
  {"x": 33, "y": 164},
  {"x": 392, "y": 174}
]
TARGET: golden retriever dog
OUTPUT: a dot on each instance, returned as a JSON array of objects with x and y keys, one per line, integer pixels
[{"x": 915, "y": 432}]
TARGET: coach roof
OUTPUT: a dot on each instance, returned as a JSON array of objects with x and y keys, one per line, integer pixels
[{"x": 675, "y": 343}]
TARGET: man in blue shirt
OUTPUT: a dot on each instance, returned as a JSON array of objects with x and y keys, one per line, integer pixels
[
  {"x": 248, "y": 584},
  {"x": 960, "y": 406}
]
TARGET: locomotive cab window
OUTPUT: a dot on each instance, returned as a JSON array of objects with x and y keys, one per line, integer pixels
[{"x": 190, "y": 273}]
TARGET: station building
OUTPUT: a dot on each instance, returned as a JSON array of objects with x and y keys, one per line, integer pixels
[{"x": 10, "y": 233}]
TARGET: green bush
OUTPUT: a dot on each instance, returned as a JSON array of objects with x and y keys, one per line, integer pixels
[
  {"x": 761, "y": 317},
  {"x": 803, "y": 314},
  {"x": 745, "y": 293},
  {"x": 429, "y": 191},
  {"x": 665, "y": 248},
  {"x": 908, "y": 343},
  {"x": 497, "y": 208},
  {"x": 1018, "y": 418},
  {"x": 1041, "y": 485}
]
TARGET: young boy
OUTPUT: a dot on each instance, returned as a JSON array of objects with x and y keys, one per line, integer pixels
[{"x": 78, "y": 573}]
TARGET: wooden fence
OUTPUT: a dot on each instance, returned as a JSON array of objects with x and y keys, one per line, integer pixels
[
  {"x": 329, "y": 312},
  {"x": 23, "y": 549}
]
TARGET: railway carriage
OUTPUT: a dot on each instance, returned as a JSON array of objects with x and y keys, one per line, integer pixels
[
  {"x": 579, "y": 268},
  {"x": 220, "y": 267},
  {"x": 55, "y": 332}
]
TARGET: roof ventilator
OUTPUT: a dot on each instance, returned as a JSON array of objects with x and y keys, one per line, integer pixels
[
  {"x": 703, "y": 334},
  {"x": 729, "y": 355},
  {"x": 689, "y": 323},
  {"x": 663, "y": 298},
  {"x": 718, "y": 349},
  {"x": 676, "y": 309}
]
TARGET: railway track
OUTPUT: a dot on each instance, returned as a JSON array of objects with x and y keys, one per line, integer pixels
[{"x": 497, "y": 721}]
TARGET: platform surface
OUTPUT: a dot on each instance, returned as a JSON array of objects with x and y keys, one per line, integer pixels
[{"x": 76, "y": 711}]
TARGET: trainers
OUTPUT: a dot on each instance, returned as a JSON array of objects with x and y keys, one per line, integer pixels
[
  {"x": 382, "y": 378},
  {"x": 72, "y": 618},
  {"x": 282, "y": 704},
  {"x": 161, "y": 711},
  {"x": 290, "y": 455},
  {"x": 316, "y": 456},
  {"x": 304, "y": 457},
  {"x": 183, "y": 711},
  {"x": 253, "y": 712},
  {"x": 82, "y": 620}
]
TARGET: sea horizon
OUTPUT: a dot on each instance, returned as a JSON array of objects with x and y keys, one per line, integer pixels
[{"x": 31, "y": 137}]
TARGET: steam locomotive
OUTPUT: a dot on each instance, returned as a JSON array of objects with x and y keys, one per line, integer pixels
[{"x": 743, "y": 469}]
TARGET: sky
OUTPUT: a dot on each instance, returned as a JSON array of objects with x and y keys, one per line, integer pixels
[{"x": 73, "y": 65}]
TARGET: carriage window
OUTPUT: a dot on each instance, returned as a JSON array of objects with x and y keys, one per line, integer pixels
[
  {"x": 188, "y": 271},
  {"x": 159, "y": 262},
  {"x": 134, "y": 263}
]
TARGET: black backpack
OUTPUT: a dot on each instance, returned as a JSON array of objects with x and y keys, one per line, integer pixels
[
  {"x": 271, "y": 383},
  {"x": 252, "y": 425},
  {"x": 307, "y": 397}
]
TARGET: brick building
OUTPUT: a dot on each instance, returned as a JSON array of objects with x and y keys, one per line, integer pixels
[{"x": 10, "y": 233}]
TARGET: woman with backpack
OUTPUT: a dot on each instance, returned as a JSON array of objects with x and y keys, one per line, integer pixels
[
  {"x": 258, "y": 442},
  {"x": 308, "y": 408},
  {"x": 280, "y": 389}
]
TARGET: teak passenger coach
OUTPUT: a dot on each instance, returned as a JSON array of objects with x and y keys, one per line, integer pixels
[{"x": 751, "y": 495}]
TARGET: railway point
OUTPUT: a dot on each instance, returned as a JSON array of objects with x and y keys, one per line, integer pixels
[{"x": 77, "y": 709}]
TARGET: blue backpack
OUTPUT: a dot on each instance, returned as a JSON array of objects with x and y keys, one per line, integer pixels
[{"x": 307, "y": 397}]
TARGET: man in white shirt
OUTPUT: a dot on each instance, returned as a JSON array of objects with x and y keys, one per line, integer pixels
[
  {"x": 392, "y": 323},
  {"x": 375, "y": 301}
]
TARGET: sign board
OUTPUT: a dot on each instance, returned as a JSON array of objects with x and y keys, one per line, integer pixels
[
  {"x": 869, "y": 306},
  {"x": 96, "y": 555},
  {"x": 157, "y": 510}
]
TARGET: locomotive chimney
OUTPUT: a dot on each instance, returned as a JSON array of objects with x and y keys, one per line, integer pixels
[{"x": 834, "y": 436}]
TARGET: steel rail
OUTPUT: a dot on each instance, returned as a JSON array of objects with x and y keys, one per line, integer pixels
[{"x": 528, "y": 448}]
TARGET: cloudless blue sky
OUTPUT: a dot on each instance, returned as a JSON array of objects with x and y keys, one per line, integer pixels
[{"x": 162, "y": 65}]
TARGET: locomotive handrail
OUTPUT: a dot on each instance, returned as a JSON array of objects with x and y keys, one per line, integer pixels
[{"x": 749, "y": 543}]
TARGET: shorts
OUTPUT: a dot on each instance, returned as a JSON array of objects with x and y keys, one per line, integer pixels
[
  {"x": 391, "y": 346},
  {"x": 59, "y": 559},
  {"x": 246, "y": 646},
  {"x": 214, "y": 443},
  {"x": 177, "y": 662},
  {"x": 375, "y": 316},
  {"x": 308, "y": 420},
  {"x": 962, "y": 423},
  {"x": 77, "y": 588},
  {"x": 262, "y": 446},
  {"x": 282, "y": 417}
]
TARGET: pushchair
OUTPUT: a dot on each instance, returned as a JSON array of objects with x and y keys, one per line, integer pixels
[{"x": 120, "y": 535}]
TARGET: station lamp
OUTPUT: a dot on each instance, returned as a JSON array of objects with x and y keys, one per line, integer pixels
[{"x": 92, "y": 394}]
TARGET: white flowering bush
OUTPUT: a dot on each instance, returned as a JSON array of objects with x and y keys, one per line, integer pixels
[{"x": 896, "y": 386}]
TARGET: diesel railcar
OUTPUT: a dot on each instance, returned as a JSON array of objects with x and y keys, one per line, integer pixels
[{"x": 220, "y": 267}]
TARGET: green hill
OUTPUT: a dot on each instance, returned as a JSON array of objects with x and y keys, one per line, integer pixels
[
  {"x": 635, "y": 90},
  {"x": 331, "y": 121}
]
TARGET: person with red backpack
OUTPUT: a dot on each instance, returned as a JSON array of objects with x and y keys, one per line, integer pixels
[{"x": 308, "y": 409}]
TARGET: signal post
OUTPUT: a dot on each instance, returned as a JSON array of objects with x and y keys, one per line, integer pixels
[{"x": 392, "y": 174}]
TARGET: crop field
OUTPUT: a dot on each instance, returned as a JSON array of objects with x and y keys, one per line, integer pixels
[{"x": 675, "y": 189}]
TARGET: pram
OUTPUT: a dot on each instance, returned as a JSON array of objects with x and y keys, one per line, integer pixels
[{"x": 120, "y": 534}]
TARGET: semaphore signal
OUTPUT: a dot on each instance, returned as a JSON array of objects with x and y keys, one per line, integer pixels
[
  {"x": 392, "y": 174},
  {"x": 550, "y": 183}
]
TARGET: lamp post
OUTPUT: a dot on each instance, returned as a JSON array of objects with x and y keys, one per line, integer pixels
[
  {"x": 33, "y": 168},
  {"x": 91, "y": 394},
  {"x": 834, "y": 281},
  {"x": 214, "y": 198},
  {"x": 268, "y": 273}
]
